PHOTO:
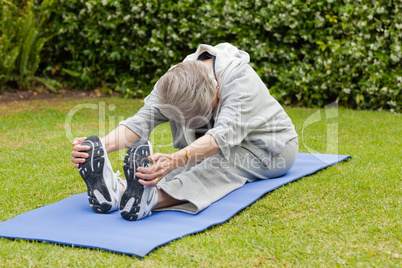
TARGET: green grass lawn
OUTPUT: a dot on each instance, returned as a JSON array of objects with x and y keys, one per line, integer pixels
[{"x": 346, "y": 215}]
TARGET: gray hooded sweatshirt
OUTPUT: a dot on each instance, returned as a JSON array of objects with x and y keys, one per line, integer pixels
[{"x": 246, "y": 113}]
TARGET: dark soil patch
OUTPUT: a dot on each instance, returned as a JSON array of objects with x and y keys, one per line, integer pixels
[{"x": 7, "y": 96}]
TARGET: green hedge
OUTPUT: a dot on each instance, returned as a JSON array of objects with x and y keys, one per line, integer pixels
[
  {"x": 309, "y": 53},
  {"x": 22, "y": 38}
]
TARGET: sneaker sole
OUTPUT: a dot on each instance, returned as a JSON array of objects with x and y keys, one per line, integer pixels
[
  {"x": 130, "y": 201},
  {"x": 91, "y": 172}
]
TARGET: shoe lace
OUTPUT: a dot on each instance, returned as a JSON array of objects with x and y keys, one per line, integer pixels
[{"x": 120, "y": 180}]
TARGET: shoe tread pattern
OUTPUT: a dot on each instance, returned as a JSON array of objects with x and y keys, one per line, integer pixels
[
  {"x": 91, "y": 172},
  {"x": 134, "y": 188}
]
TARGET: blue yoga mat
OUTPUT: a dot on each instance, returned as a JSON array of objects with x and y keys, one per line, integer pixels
[{"x": 72, "y": 222}]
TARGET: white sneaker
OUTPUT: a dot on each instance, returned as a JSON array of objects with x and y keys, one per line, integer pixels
[
  {"x": 137, "y": 201},
  {"x": 104, "y": 189}
]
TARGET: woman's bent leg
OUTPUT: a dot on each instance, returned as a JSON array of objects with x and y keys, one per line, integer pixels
[{"x": 201, "y": 184}]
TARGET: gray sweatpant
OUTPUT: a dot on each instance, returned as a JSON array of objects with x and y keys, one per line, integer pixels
[{"x": 207, "y": 181}]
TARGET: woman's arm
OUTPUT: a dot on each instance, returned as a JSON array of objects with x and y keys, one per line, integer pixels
[
  {"x": 200, "y": 149},
  {"x": 119, "y": 138},
  {"x": 127, "y": 132}
]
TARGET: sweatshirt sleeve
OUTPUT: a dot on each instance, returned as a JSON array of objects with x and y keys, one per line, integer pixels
[
  {"x": 243, "y": 102},
  {"x": 147, "y": 118}
]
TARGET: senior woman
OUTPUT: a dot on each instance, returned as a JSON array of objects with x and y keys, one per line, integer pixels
[{"x": 229, "y": 131}]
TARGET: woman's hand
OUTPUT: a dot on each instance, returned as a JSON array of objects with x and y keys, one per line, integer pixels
[
  {"x": 163, "y": 165},
  {"x": 78, "y": 152}
]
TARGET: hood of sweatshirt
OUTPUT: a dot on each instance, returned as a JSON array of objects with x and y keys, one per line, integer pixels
[{"x": 228, "y": 58}]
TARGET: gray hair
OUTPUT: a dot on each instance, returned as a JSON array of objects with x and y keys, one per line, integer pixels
[{"x": 186, "y": 92}]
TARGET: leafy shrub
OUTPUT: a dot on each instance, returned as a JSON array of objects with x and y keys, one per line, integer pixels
[
  {"x": 21, "y": 42},
  {"x": 309, "y": 53}
]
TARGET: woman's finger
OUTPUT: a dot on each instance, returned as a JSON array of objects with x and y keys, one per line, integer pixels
[
  {"x": 149, "y": 184},
  {"x": 80, "y": 148},
  {"x": 148, "y": 170},
  {"x": 154, "y": 157},
  {"x": 79, "y": 154},
  {"x": 159, "y": 164},
  {"x": 76, "y": 160},
  {"x": 78, "y": 140},
  {"x": 159, "y": 173}
]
